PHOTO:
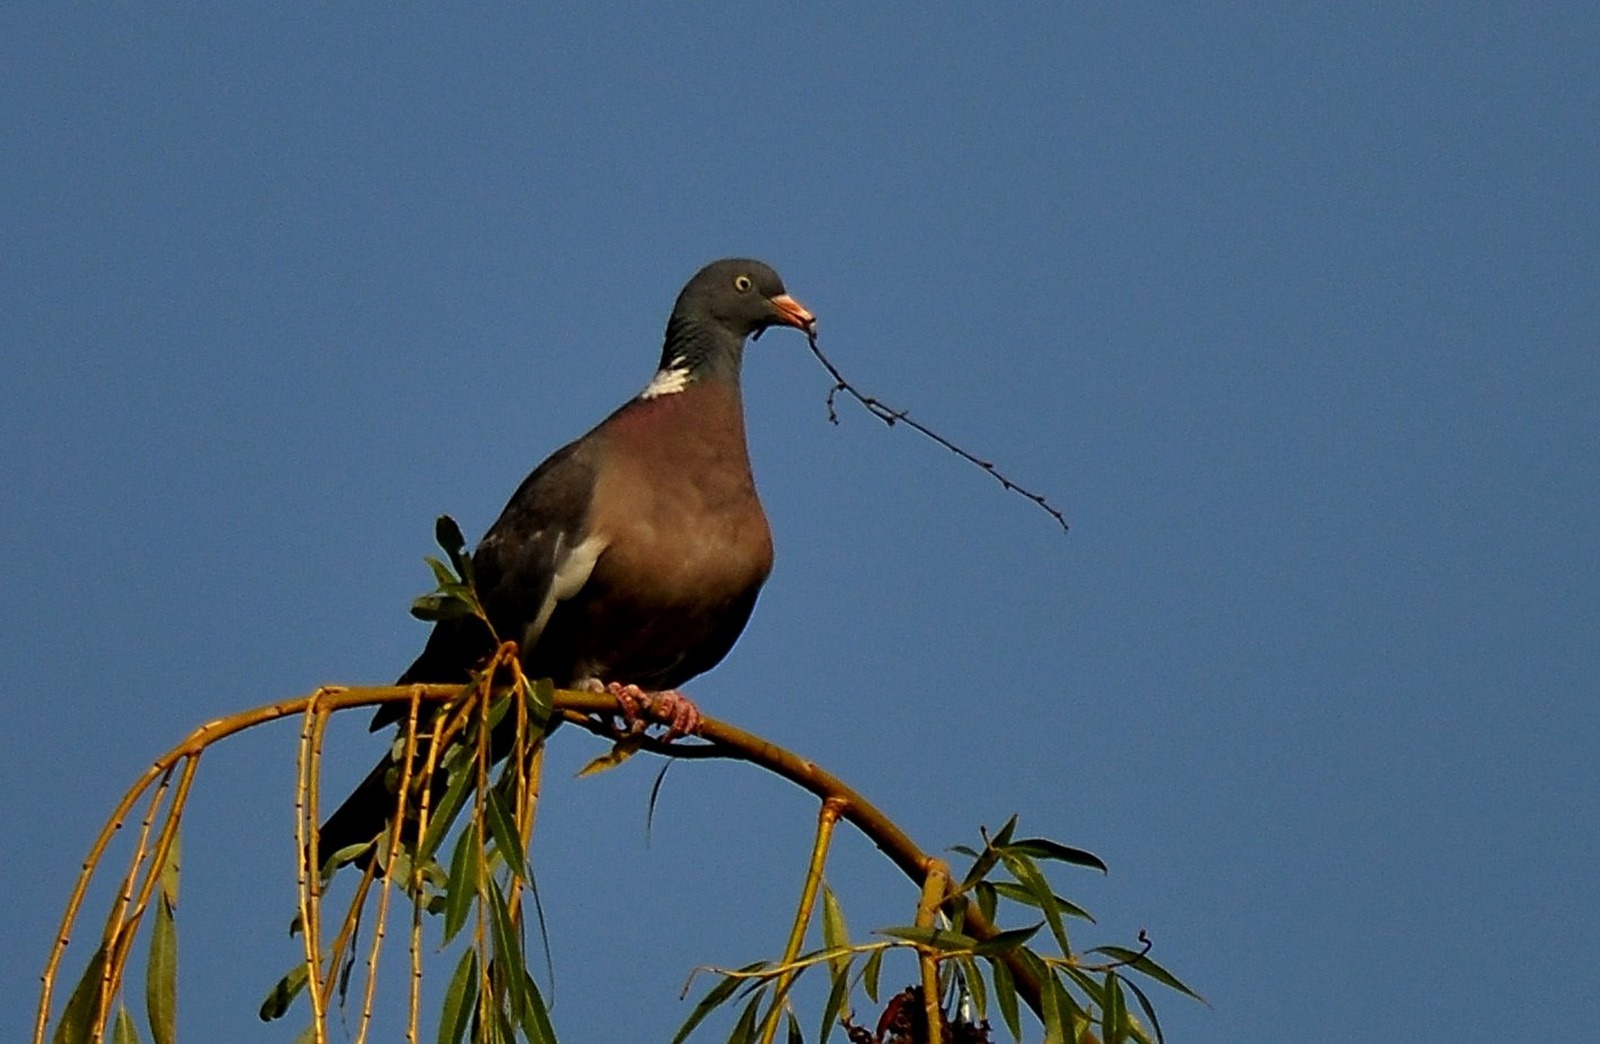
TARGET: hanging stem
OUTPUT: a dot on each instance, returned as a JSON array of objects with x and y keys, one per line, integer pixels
[
  {"x": 586, "y": 709},
  {"x": 831, "y": 810},
  {"x": 484, "y": 883},
  {"x": 934, "y": 887},
  {"x": 165, "y": 839},
  {"x": 115, "y": 938},
  {"x": 430, "y": 765},
  {"x": 407, "y": 758},
  {"x": 310, "y": 871}
]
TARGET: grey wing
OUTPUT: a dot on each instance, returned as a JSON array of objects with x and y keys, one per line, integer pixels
[{"x": 537, "y": 553}]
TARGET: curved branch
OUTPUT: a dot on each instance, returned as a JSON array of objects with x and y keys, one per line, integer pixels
[
  {"x": 728, "y": 741},
  {"x": 580, "y": 708}
]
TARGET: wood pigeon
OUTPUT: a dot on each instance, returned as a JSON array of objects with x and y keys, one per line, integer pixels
[{"x": 630, "y": 560}]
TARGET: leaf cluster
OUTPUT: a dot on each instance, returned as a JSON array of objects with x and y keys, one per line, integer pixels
[
  {"x": 1075, "y": 990},
  {"x": 473, "y": 762}
]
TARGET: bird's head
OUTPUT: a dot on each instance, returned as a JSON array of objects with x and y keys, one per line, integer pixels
[{"x": 743, "y": 296}]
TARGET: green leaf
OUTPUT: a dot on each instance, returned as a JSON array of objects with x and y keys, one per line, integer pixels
[
  {"x": 1009, "y": 940},
  {"x": 442, "y": 573},
  {"x": 987, "y": 900},
  {"x": 620, "y": 751},
  {"x": 1113, "y": 1011},
  {"x": 1005, "y": 995},
  {"x": 834, "y": 931},
  {"x": 161, "y": 971},
  {"x": 508, "y": 948},
  {"x": 123, "y": 1031},
  {"x": 283, "y": 994},
  {"x": 447, "y": 534},
  {"x": 837, "y": 996},
  {"x": 460, "y": 999},
  {"x": 870, "y": 973},
  {"x": 1028, "y": 875},
  {"x": 499, "y": 707},
  {"x": 794, "y": 1035},
  {"x": 1019, "y": 894},
  {"x": 399, "y": 865},
  {"x": 965, "y": 850},
  {"x": 1054, "y": 1017},
  {"x": 1143, "y": 964},
  {"x": 330, "y": 863},
  {"x": 503, "y": 829},
  {"x": 461, "y": 776},
  {"x": 436, "y": 607},
  {"x": 503, "y": 1030},
  {"x": 169, "y": 871},
  {"x": 1069, "y": 1008},
  {"x": 541, "y": 701},
  {"x": 957, "y": 919},
  {"x": 937, "y": 938},
  {"x": 710, "y": 1002},
  {"x": 745, "y": 1029},
  {"x": 982, "y": 863},
  {"x": 1044, "y": 848},
  {"x": 544, "y": 929},
  {"x": 535, "y": 1015},
  {"x": 462, "y": 887},
  {"x": 1148, "y": 1009},
  {"x": 1088, "y": 984},
  {"x": 78, "y": 1017},
  {"x": 1003, "y": 837}
]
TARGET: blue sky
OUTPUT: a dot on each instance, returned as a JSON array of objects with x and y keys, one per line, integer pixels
[{"x": 1296, "y": 312}]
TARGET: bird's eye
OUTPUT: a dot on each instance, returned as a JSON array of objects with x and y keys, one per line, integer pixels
[{"x": 742, "y": 283}]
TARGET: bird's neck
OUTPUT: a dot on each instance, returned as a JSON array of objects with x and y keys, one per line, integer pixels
[{"x": 693, "y": 352}]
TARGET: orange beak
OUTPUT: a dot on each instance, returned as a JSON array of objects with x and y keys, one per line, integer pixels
[{"x": 794, "y": 313}]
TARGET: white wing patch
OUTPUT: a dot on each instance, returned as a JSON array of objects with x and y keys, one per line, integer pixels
[{"x": 572, "y": 569}]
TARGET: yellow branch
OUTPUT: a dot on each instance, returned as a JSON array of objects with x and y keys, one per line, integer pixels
[
  {"x": 934, "y": 887},
  {"x": 826, "y": 818},
  {"x": 309, "y": 871},
  {"x": 407, "y": 756},
  {"x": 592, "y": 711}
]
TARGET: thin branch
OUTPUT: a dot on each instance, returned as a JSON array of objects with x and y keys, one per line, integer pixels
[
  {"x": 827, "y": 816},
  {"x": 934, "y": 889},
  {"x": 407, "y": 758},
  {"x": 414, "y": 998},
  {"x": 768, "y": 972},
  {"x": 724, "y": 741},
  {"x": 485, "y": 881},
  {"x": 891, "y": 416},
  {"x": 728, "y": 741},
  {"x": 162, "y": 769},
  {"x": 153, "y": 869},
  {"x": 114, "y": 938},
  {"x": 309, "y": 872}
]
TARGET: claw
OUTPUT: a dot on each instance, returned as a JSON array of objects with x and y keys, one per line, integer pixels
[{"x": 670, "y": 708}]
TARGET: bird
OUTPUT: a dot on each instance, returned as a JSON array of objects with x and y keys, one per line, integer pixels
[{"x": 630, "y": 560}]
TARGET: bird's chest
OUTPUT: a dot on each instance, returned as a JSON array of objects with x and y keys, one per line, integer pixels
[{"x": 685, "y": 526}]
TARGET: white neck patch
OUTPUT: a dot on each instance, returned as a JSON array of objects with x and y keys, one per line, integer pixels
[{"x": 668, "y": 381}]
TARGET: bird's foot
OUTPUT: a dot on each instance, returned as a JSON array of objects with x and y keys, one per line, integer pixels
[{"x": 668, "y": 707}]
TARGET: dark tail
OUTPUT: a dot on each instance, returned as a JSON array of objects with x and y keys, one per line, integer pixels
[{"x": 362, "y": 816}]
